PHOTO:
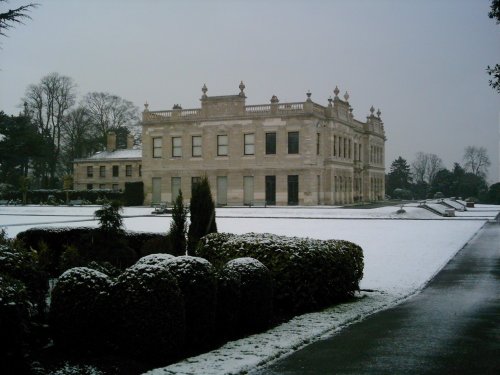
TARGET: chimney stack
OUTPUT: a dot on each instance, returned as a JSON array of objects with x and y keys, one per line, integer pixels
[
  {"x": 111, "y": 142},
  {"x": 130, "y": 141}
]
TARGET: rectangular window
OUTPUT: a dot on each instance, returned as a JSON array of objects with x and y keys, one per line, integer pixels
[
  {"x": 293, "y": 142},
  {"x": 222, "y": 145},
  {"x": 90, "y": 186},
  {"x": 359, "y": 152},
  {"x": 156, "y": 190},
  {"x": 157, "y": 145},
  {"x": 334, "y": 145},
  {"x": 115, "y": 170},
  {"x": 115, "y": 187},
  {"x": 176, "y": 147},
  {"x": 176, "y": 187},
  {"x": 196, "y": 146},
  {"x": 128, "y": 170},
  {"x": 90, "y": 171},
  {"x": 355, "y": 151},
  {"x": 318, "y": 142},
  {"x": 270, "y": 143},
  {"x": 271, "y": 190},
  {"x": 194, "y": 182},
  {"x": 248, "y": 190},
  {"x": 349, "y": 148},
  {"x": 293, "y": 190},
  {"x": 140, "y": 170},
  {"x": 221, "y": 190},
  {"x": 345, "y": 147},
  {"x": 102, "y": 186},
  {"x": 249, "y": 140},
  {"x": 102, "y": 171}
]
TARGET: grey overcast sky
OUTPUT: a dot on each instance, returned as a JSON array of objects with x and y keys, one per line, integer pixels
[{"x": 421, "y": 62}]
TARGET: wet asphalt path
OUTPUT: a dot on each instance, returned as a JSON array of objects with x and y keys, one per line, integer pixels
[{"x": 452, "y": 327}]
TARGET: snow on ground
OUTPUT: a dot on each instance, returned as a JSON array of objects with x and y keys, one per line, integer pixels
[{"x": 401, "y": 256}]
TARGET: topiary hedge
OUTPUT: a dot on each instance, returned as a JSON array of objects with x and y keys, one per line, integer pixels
[
  {"x": 155, "y": 259},
  {"x": 14, "y": 325},
  {"x": 78, "y": 310},
  {"x": 255, "y": 298},
  {"x": 197, "y": 281},
  {"x": 148, "y": 313},
  {"x": 308, "y": 274}
]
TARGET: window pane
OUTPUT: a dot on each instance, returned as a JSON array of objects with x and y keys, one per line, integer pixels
[
  {"x": 270, "y": 143},
  {"x": 196, "y": 146},
  {"x": 157, "y": 145},
  {"x": 293, "y": 142},
  {"x": 102, "y": 171},
  {"x": 249, "y": 144},
  {"x": 222, "y": 142},
  {"x": 115, "y": 171},
  {"x": 176, "y": 146}
]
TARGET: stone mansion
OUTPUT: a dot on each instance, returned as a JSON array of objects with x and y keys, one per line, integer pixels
[{"x": 299, "y": 153}]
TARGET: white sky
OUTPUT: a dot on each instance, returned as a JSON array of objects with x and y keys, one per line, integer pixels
[{"x": 421, "y": 62}]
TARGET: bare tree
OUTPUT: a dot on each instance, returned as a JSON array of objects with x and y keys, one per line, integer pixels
[
  {"x": 110, "y": 112},
  {"x": 476, "y": 160},
  {"x": 78, "y": 138},
  {"x": 48, "y": 103},
  {"x": 419, "y": 166},
  {"x": 14, "y": 16},
  {"x": 425, "y": 166}
]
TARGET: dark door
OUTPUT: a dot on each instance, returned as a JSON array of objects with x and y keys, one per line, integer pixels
[
  {"x": 271, "y": 190},
  {"x": 293, "y": 190}
]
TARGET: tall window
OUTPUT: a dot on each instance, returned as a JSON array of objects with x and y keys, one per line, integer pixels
[
  {"x": 194, "y": 182},
  {"x": 102, "y": 171},
  {"x": 222, "y": 145},
  {"x": 249, "y": 140},
  {"x": 318, "y": 143},
  {"x": 176, "y": 147},
  {"x": 359, "y": 152},
  {"x": 115, "y": 170},
  {"x": 196, "y": 146},
  {"x": 157, "y": 145},
  {"x": 176, "y": 187},
  {"x": 140, "y": 170},
  {"x": 128, "y": 170},
  {"x": 334, "y": 145},
  {"x": 293, "y": 142},
  {"x": 90, "y": 171},
  {"x": 349, "y": 148},
  {"x": 90, "y": 186},
  {"x": 270, "y": 143}
]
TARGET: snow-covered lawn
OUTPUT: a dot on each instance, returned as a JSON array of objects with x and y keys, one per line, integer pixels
[{"x": 401, "y": 256}]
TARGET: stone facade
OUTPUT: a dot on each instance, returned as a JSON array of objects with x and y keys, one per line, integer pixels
[
  {"x": 278, "y": 153},
  {"x": 109, "y": 169}
]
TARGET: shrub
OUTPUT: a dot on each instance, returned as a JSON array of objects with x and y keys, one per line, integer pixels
[
  {"x": 254, "y": 310},
  {"x": 159, "y": 259},
  {"x": 14, "y": 324},
  {"x": 227, "y": 318},
  {"x": 177, "y": 234},
  {"x": 70, "y": 258},
  {"x": 308, "y": 274},
  {"x": 109, "y": 217},
  {"x": 21, "y": 264},
  {"x": 196, "y": 279},
  {"x": 156, "y": 245},
  {"x": 105, "y": 267},
  {"x": 202, "y": 214},
  {"x": 77, "y": 312},
  {"x": 148, "y": 307}
]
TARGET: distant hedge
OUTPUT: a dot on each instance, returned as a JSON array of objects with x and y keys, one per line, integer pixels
[
  {"x": 57, "y": 196},
  {"x": 308, "y": 274}
]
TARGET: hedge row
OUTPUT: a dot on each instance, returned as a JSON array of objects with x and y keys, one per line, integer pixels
[
  {"x": 308, "y": 274},
  {"x": 161, "y": 309},
  {"x": 62, "y": 248},
  {"x": 56, "y": 196}
]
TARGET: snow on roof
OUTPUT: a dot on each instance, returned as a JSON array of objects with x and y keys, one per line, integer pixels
[{"x": 114, "y": 155}]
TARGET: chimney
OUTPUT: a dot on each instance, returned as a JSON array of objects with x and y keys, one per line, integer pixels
[
  {"x": 130, "y": 141},
  {"x": 111, "y": 144}
]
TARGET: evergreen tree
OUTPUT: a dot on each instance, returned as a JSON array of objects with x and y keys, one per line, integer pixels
[
  {"x": 177, "y": 236},
  {"x": 399, "y": 176},
  {"x": 202, "y": 210},
  {"x": 110, "y": 218}
]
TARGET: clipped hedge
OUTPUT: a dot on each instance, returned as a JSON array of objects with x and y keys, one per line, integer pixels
[
  {"x": 14, "y": 325},
  {"x": 147, "y": 307},
  {"x": 57, "y": 196},
  {"x": 77, "y": 313},
  {"x": 197, "y": 281},
  {"x": 50, "y": 243},
  {"x": 255, "y": 304},
  {"x": 308, "y": 274}
]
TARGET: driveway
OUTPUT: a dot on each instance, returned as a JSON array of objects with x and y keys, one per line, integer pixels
[{"x": 452, "y": 327}]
